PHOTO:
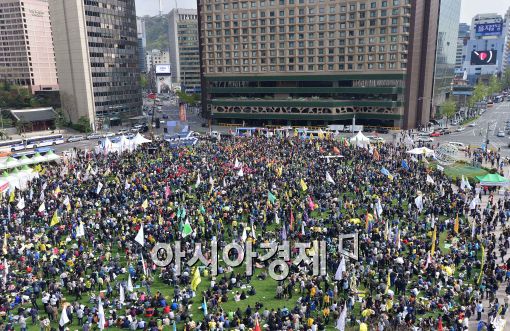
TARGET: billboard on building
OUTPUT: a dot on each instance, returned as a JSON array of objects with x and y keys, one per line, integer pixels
[
  {"x": 163, "y": 69},
  {"x": 489, "y": 29},
  {"x": 164, "y": 83},
  {"x": 481, "y": 58}
]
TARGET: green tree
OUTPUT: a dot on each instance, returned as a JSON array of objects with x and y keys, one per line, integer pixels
[
  {"x": 505, "y": 81},
  {"x": 83, "y": 124},
  {"x": 60, "y": 120},
  {"x": 494, "y": 86},
  {"x": 449, "y": 108},
  {"x": 480, "y": 92},
  {"x": 144, "y": 82}
]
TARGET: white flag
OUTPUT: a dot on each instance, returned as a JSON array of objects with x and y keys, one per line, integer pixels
[
  {"x": 340, "y": 270},
  {"x": 122, "y": 296},
  {"x": 139, "y": 237},
  {"x": 237, "y": 164},
  {"x": 129, "y": 287},
  {"x": 340, "y": 322},
  {"x": 42, "y": 207},
  {"x": 99, "y": 187},
  {"x": 378, "y": 208},
  {"x": 198, "y": 181},
  {"x": 21, "y": 204},
  {"x": 244, "y": 236},
  {"x": 473, "y": 230},
  {"x": 418, "y": 201},
  {"x": 224, "y": 182},
  {"x": 143, "y": 265},
  {"x": 276, "y": 218},
  {"x": 253, "y": 234},
  {"x": 63, "y": 317},
  {"x": 329, "y": 178},
  {"x": 240, "y": 173},
  {"x": 66, "y": 201},
  {"x": 430, "y": 180},
  {"x": 462, "y": 183},
  {"x": 100, "y": 314},
  {"x": 80, "y": 231},
  {"x": 211, "y": 181},
  {"x": 41, "y": 196},
  {"x": 474, "y": 203},
  {"x": 440, "y": 168}
]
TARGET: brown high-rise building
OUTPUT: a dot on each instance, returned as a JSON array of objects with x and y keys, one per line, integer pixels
[
  {"x": 316, "y": 62},
  {"x": 27, "y": 57}
]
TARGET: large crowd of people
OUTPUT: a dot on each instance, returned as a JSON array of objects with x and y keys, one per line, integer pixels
[{"x": 430, "y": 254}]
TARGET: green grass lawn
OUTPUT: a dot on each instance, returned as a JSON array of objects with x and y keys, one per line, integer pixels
[{"x": 457, "y": 170}]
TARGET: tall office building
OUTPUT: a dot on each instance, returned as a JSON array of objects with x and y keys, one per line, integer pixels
[
  {"x": 446, "y": 52},
  {"x": 27, "y": 57},
  {"x": 506, "y": 55},
  {"x": 485, "y": 48},
  {"x": 97, "y": 59},
  {"x": 155, "y": 57},
  {"x": 291, "y": 61},
  {"x": 461, "y": 46},
  {"x": 184, "y": 48},
  {"x": 142, "y": 43}
]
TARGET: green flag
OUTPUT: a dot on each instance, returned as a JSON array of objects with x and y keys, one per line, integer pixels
[
  {"x": 271, "y": 197},
  {"x": 186, "y": 230}
]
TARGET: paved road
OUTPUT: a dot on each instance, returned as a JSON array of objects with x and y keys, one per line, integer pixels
[{"x": 494, "y": 118}]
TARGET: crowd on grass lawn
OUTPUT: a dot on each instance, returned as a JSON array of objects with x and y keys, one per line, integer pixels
[{"x": 74, "y": 255}]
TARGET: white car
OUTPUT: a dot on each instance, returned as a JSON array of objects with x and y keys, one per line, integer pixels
[
  {"x": 460, "y": 129},
  {"x": 108, "y": 135},
  {"x": 93, "y": 136},
  {"x": 377, "y": 139},
  {"x": 472, "y": 125},
  {"x": 460, "y": 146},
  {"x": 424, "y": 139},
  {"x": 501, "y": 133},
  {"x": 73, "y": 139},
  {"x": 122, "y": 132}
]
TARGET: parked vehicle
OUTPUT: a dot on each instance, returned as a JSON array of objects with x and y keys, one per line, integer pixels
[
  {"x": 435, "y": 134},
  {"x": 472, "y": 124},
  {"x": 382, "y": 130},
  {"x": 460, "y": 146},
  {"x": 93, "y": 136},
  {"x": 460, "y": 129},
  {"x": 501, "y": 133},
  {"x": 73, "y": 139},
  {"x": 424, "y": 139}
]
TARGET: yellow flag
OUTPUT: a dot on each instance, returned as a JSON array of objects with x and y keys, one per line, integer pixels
[
  {"x": 433, "y": 248},
  {"x": 38, "y": 168},
  {"x": 68, "y": 206},
  {"x": 145, "y": 204},
  {"x": 11, "y": 197},
  {"x": 54, "y": 219},
  {"x": 456, "y": 224},
  {"x": 321, "y": 135},
  {"x": 279, "y": 171},
  {"x": 388, "y": 282},
  {"x": 57, "y": 190},
  {"x": 195, "y": 280},
  {"x": 304, "y": 187}
]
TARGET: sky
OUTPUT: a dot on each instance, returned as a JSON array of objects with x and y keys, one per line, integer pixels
[
  {"x": 472, "y": 7},
  {"x": 469, "y": 7}
]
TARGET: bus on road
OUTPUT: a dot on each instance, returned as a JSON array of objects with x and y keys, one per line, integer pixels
[
  {"x": 51, "y": 140},
  {"x": 12, "y": 145}
]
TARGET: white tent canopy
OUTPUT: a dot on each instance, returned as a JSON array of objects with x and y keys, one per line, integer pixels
[
  {"x": 360, "y": 140},
  {"x": 123, "y": 145},
  {"x": 139, "y": 139},
  {"x": 11, "y": 162},
  {"x": 421, "y": 151},
  {"x": 18, "y": 179}
]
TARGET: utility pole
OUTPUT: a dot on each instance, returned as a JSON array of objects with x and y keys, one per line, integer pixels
[{"x": 353, "y": 123}]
